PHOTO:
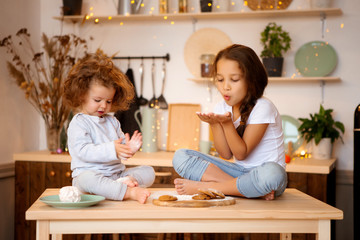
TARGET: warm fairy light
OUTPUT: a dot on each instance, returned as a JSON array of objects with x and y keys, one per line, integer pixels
[
  {"x": 172, "y": 22},
  {"x": 209, "y": 4},
  {"x": 142, "y": 5},
  {"x": 91, "y": 14},
  {"x": 87, "y": 17},
  {"x": 302, "y": 153},
  {"x": 342, "y": 25},
  {"x": 132, "y": 1},
  {"x": 217, "y": 6},
  {"x": 152, "y": 8},
  {"x": 91, "y": 8},
  {"x": 165, "y": 17},
  {"x": 96, "y": 20},
  {"x": 121, "y": 23},
  {"x": 109, "y": 17},
  {"x": 233, "y": 3}
]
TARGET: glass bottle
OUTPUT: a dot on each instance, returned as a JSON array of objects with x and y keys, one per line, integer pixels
[
  {"x": 182, "y": 6},
  {"x": 206, "y": 64}
]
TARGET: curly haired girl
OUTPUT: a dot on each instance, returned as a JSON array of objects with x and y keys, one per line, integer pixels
[{"x": 97, "y": 145}]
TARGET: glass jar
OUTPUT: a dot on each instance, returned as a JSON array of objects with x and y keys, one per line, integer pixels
[{"x": 206, "y": 64}]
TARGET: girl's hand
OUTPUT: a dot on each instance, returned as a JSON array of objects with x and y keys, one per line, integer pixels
[
  {"x": 223, "y": 118},
  {"x": 207, "y": 117},
  {"x": 135, "y": 142},
  {"x": 123, "y": 151}
]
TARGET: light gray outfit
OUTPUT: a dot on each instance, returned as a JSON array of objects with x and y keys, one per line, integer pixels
[{"x": 94, "y": 161}]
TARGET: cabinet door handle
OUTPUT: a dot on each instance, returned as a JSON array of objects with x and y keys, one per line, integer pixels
[
  {"x": 52, "y": 173},
  {"x": 68, "y": 174}
]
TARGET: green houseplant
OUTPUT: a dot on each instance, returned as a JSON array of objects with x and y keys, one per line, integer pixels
[
  {"x": 322, "y": 129},
  {"x": 275, "y": 42},
  {"x": 41, "y": 75}
]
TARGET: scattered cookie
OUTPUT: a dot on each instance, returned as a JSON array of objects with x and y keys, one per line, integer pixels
[
  {"x": 207, "y": 192},
  {"x": 167, "y": 198},
  {"x": 201, "y": 196},
  {"x": 217, "y": 193}
]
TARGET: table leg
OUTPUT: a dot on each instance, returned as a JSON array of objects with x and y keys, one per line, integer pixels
[
  {"x": 56, "y": 236},
  {"x": 285, "y": 236},
  {"x": 42, "y": 230},
  {"x": 324, "y": 232}
]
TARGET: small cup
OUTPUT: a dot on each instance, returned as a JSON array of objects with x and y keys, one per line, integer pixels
[{"x": 205, "y": 146}]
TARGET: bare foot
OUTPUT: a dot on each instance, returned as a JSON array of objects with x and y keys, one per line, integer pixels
[
  {"x": 138, "y": 194},
  {"x": 129, "y": 181},
  {"x": 269, "y": 196},
  {"x": 188, "y": 187}
]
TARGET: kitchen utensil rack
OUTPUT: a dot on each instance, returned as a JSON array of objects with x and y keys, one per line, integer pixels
[{"x": 166, "y": 57}]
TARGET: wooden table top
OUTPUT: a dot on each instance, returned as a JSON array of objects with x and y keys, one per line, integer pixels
[
  {"x": 293, "y": 204},
  {"x": 164, "y": 159}
]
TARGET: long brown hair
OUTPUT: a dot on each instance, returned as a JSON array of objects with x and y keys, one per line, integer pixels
[
  {"x": 254, "y": 73},
  {"x": 99, "y": 69}
]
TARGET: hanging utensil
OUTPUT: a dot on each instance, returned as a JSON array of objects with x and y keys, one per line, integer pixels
[
  {"x": 142, "y": 100},
  {"x": 162, "y": 104},
  {"x": 153, "y": 101}
]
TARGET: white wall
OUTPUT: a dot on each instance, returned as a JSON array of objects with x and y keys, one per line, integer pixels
[
  {"x": 159, "y": 38},
  {"x": 19, "y": 122}
]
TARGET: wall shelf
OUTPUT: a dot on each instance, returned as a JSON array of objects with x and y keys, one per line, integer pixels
[
  {"x": 283, "y": 79},
  {"x": 211, "y": 15}
]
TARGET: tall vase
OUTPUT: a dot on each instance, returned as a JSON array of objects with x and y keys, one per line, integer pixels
[{"x": 53, "y": 138}]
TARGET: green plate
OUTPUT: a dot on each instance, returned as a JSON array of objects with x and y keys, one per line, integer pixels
[
  {"x": 86, "y": 201},
  {"x": 315, "y": 59},
  {"x": 290, "y": 127}
]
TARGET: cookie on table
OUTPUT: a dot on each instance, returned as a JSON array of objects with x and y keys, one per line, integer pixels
[
  {"x": 207, "y": 192},
  {"x": 217, "y": 193},
  {"x": 201, "y": 196},
  {"x": 167, "y": 198}
]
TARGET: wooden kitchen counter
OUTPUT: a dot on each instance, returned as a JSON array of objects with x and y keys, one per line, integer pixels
[
  {"x": 293, "y": 212},
  {"x": 164, "y": 159}
]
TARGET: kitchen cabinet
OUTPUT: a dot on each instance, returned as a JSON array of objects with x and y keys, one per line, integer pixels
[{"x": 36, "y": 171}]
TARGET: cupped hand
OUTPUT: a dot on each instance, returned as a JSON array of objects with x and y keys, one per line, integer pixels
[
  {"x": 223, "y": 118},
  {"x": 207, "y": 117}
]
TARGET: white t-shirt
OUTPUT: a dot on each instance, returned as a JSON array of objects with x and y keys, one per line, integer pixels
[{"x": 271, "y": 146}]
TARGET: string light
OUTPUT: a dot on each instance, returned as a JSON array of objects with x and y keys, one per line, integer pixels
[
  {"x": 110, "y": 17},
  {"x": 96, "y": 20}
]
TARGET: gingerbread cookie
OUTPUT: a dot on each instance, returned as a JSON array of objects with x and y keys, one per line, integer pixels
[
  {"x": 167, "y": 198},
  {"x": 207, "y": 192},
  {"x": 201, "y": 196},
  {"x": 217, "y": 193}
]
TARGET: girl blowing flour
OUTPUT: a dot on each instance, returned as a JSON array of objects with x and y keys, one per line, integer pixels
[
  {"x": 96, "y": 142},
  {"x": 246, "y": 126}
]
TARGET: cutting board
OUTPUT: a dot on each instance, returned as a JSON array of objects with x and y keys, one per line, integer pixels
[
  {"x": 196, "y": 203},
  {"x": 183, "y": 127}
]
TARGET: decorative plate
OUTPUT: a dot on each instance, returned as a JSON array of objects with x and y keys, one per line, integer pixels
[
  {"x": 203, "y": 41},
  {"x": 290, "y": 127},
  {"x": 86, "y": 201},
  {"x": 315, "y": 59}
]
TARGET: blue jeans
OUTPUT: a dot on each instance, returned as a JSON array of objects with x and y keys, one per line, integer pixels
[
  {"x": 107, "y": 186},
  {"x": 251, "y": 182}
]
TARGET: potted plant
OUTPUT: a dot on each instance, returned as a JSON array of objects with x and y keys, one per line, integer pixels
[
  {"x": 275, "y": 41},
  {"x": 323, "y": 130},
  {"x": 41, "y": 75}
]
